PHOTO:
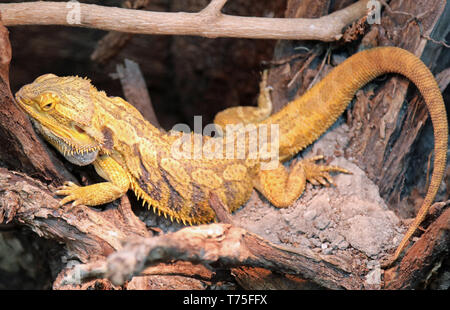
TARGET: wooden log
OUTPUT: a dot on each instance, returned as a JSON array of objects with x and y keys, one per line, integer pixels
[
  {"x": 22, "y": 149},
  {"x": 88, "y": 233},
  {"x": 423, "y": 257},
  {"x": 226, "y": 246},
  {"x": 384, "y": 128}
]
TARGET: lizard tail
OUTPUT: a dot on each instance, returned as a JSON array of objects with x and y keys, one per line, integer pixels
[{"x": 303, "y": 120}]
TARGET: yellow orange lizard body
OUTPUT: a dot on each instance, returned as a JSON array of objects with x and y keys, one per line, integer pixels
[{"x": 87, "y": 126}]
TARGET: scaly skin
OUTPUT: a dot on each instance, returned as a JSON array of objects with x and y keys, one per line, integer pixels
[{"x": 87, "y": 127}]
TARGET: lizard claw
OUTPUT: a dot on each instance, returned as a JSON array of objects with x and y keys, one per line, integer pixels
[
  {"x": 72, "y": 192},
  {"x": 320, "y": 174},
  {"x": 65, "y": 187}
]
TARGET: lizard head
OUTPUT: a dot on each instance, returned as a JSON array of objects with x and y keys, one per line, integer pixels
[{"x": 62, "y": 110}]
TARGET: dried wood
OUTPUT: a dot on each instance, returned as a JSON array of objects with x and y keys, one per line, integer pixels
[
  {"x": 88, "y": 233},
  {"x": 288, "y": 78},
  {"x": 113, "y": 42},
  {"x": 254, "y": 278},
  {"x": 207, "y": 23},
  {"x": 383, "y": 132},
  {"x": 225, "y": 246},
  {"x": 222, "y": 212},
  {"x": 135, "y": 90},
  {"x": 423, "y": 257},
  {"x": 23, "y": 149},
  {"x": 110, "y": 45}
]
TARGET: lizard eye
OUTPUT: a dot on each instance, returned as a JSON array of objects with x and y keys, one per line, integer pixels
[
  {"x": 47, "y": 101},
  {"x": 48, "y": 106}
]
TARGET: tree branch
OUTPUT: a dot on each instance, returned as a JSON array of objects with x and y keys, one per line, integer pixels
[
  {"x": 135, "y": 89},
  {"x": 327, "y": 28},
  {"x": 87, "y": 233},
  {"x": 214, "y": 8},
  {"x": 228, "y": 246}
]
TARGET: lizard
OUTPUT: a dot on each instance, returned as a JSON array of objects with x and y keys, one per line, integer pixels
[{"x": 88, "y": 127}]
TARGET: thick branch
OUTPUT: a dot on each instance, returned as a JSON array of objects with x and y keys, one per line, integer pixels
[
  {"x": 135, "y": 89},
  {"x": 87, "y": 233},
  {"x": 327, "y": 28},
  {"x": 24, "y": 150},
  {"x": 227, "y": 246},
  {"x": 110, "y": 45},
  {"x": 422, "y": 257},
  {"x": 214, "y": 7}
]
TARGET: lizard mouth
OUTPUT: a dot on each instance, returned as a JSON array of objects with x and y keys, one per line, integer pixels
[{"x": 76, "y": 154}]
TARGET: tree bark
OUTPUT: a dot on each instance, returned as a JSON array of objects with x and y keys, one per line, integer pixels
[
  {"x": 386, "y": 153},
  {"x": 208, "y": 22},
  {"x": 24, "y": 149}
]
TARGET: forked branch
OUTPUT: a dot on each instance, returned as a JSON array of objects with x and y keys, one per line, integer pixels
[
  {"x": 214, "y": 7},
  {"x": 209, "y": 22}
]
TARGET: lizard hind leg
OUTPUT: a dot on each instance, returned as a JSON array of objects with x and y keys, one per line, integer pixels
[
  {"x": 248, "y": 114},
  {"x": 282, "y": 187}
]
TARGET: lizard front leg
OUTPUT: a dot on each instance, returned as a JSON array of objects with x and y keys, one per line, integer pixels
[
  {"x": 100, "y": 193},
  {"x": 282, "y": 187}
]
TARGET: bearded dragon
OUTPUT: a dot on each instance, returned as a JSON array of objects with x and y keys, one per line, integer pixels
[{"x": 88, "y": 127}]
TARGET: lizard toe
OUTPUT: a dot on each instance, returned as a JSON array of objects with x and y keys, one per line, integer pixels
[{"x": 66, "y": 200}]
